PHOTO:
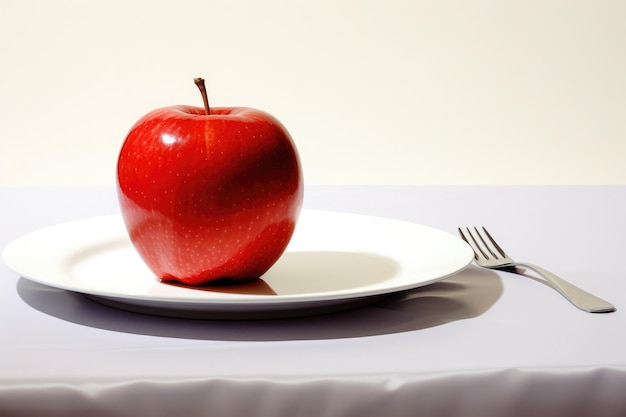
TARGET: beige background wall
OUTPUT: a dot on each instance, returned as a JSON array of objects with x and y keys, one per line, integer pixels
[{"x": 409, "y": 92}]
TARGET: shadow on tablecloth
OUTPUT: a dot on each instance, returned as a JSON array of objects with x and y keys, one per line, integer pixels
[{"x": 463, "y": 296}]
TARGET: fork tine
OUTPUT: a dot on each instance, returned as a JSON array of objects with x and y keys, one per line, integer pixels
[
  {"x": 475, "y": 246},
  {"x": 467, "y": 241},
  {"x": 462, "y": 234},
  {"x": 495, "y": 244},
  {"x": 485, "y": 244}
]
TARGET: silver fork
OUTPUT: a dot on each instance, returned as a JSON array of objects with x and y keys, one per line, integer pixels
[{"x": 488, "y": 254}]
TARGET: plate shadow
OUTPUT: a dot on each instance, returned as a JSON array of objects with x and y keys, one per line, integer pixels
[{"x": 463, "y": 296}]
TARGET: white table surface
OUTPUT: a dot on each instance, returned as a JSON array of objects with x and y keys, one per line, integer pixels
[{"x": 480, "y": 343}]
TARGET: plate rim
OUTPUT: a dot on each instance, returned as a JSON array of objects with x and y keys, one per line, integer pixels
[{"x": 241, "y": 299}]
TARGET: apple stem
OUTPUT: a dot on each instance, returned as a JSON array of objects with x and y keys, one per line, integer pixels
[{"x": 200, "y": 83}]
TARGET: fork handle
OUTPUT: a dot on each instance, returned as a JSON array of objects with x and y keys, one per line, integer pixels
[{"x": 580, "y": 298}]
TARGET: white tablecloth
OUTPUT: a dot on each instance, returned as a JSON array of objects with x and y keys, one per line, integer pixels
[{"x": 481, "y": 343}]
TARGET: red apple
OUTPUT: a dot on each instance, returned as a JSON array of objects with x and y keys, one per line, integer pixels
[{"x": 209, "y": 193}]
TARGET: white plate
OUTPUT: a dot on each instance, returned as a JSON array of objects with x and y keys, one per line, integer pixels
[{"x": 334, "y": 261}]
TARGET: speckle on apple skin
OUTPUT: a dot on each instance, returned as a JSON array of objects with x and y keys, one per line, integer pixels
[{"x": 220, "y": 203}]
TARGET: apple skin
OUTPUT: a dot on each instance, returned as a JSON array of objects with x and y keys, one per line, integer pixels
[{"x": 209, "y": 197}]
